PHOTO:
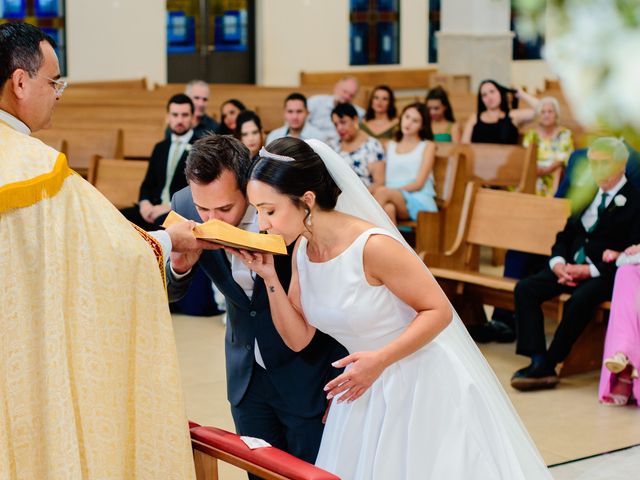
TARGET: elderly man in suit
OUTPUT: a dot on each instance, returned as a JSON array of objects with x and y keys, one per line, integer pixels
[
  {"x": 165, "y": 174},
  {"x": 275, "y": 393},
  {"x": 610, "y": 221}
]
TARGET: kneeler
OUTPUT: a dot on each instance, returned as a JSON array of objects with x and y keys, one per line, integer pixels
[{"x": 211, "y": 444}]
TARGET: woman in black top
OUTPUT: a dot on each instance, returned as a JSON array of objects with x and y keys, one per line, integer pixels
[{"x": 495, "y": 122}]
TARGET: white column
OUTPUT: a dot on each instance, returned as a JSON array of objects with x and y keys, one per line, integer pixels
[{"x": 475, "y": 39}]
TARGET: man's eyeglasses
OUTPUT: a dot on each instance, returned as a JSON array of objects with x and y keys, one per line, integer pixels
[{"x": 57, "y": 85}]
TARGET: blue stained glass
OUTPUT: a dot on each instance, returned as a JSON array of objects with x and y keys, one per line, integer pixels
[
  {"x": 387, "y": 43},
  {"x": 359, "y": 6},
  {"x": 377, "y": 22},
  {"x": 359, "y": 33},
  {"x": 230, "y": 31},
  {"x": 13, "y": 8},
  {"x": 181, "y": 33},
  {"x": 48, "y": 8},
  {"x": 388, "y": 6}
]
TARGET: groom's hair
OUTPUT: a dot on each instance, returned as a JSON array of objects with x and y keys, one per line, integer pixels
[
  {"x": 305, "y": 173},
  {"x": 213, "y": 154}
]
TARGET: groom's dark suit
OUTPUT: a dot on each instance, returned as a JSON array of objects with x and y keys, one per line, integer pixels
[
  {"x": 292, "y": 384},
  {"x": 617, "y": 228}
]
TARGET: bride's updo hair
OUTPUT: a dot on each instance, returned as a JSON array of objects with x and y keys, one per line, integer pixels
[{"x": 306, "y": 173}]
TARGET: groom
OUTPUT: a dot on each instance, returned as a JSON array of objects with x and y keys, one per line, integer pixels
[{"x": 275, "y": 393}]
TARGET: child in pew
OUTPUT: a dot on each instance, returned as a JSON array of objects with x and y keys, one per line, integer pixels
[{"x": 409, "y": 185}]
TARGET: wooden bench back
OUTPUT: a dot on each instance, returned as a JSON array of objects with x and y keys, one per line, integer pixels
[
  {"x": 119, "y": 180},
  {"x": 435, "y": 232},
  {"x": 396, "y": 78},
  {"x": 83, "y": 144},
  {"x": 510, "y": 220},
  {"x": 452, "y": 83},
  {"x": 445, "y": 172},
  {"x": 136, "y": 83},
  {"x": 502, "y": 165}
]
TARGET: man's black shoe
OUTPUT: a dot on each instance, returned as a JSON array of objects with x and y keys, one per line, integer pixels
[
  {"x": 502, "y": 332},
  {"x": 492, "y": 331},
  {"x": 534, "y": 377}
]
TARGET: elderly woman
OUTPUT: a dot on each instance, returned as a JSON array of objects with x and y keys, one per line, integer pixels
[
  {"x": 554, "y": 142},
  {"x": 619, "y": 376}
]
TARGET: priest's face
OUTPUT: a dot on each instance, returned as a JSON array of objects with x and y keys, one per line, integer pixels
[{"x": 38, "y": 93}]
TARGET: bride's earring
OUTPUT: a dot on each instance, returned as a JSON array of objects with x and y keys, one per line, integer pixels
[{"x": 308, "y": 221}]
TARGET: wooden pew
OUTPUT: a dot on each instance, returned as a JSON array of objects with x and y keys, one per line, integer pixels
[
  {"x": 502, "y": 165},
  {"x": 136, "y": 83},
  {"x": 118, "y": 180},
  {"x": 452, "y": 83},
  {"x": 139, "y": 140},
  {"x": 435, "y": 231},
  {"x": 515, "y": 221},
  {"x": 211, "y": 445},
  {"x": 396, "y": 78},
  {"x": 83, "y": 144}
]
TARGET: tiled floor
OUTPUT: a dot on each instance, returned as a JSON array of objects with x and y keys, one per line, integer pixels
[
  {"x": 566, "y": 423},
  {"x": 621, "y": 465}
]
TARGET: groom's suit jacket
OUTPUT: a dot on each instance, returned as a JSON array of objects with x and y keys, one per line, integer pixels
[{"x": 299, "y": 377}]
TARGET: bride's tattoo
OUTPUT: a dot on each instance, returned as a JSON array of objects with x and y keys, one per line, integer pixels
[{"x": 272, "y": 289}]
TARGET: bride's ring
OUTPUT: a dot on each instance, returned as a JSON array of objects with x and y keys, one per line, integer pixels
[{"x": 250, "y": 261}]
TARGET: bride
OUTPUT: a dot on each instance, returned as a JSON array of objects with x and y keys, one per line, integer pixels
[{"x": 416, "y": 399}]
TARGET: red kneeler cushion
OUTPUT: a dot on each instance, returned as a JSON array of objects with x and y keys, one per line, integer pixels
[{"x": 270, "y": 458}]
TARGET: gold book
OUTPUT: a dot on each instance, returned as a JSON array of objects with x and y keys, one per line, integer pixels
[{"x": 217, "y": 231}]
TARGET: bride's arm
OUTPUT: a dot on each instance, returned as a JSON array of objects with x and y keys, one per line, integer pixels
[
  {"x": 389, "y": 263},
  {"x": 285, "y": 309}
]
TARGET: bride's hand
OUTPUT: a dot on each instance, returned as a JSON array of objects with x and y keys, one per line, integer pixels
[
  {"x": 261, "y": 263},
  {"x": 366, "y": 368}
]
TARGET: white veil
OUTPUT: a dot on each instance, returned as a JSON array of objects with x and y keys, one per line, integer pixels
[{"x": 356, "y": 200}]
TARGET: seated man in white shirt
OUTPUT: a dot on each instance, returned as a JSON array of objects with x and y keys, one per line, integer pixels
[
  {"x": 321, "y": 106},
  {"x": 295, "y": 121},
  {"x": 165, "y": 174},
  {"x": 610, "y": 221}
]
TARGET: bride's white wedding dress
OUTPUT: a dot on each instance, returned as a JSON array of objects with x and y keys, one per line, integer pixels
[
  {"x": 424, "y": 417},
  {"x": 439, "y": 413}
]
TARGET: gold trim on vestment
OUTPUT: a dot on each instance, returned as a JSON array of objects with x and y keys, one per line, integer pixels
[
  {"x": 28, "y": 192},
  {"x": 157, "y": 251}
]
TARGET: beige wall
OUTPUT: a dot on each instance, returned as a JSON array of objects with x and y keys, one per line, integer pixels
[
  {"x": 319, "y": 39},
  {"x": 116, "y": 39},
  {"x": 530, "y": 74},
  {"x": 130, "y": 41}
]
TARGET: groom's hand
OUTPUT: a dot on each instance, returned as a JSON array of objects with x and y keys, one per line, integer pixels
[{"x": 352, "y": 383}]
